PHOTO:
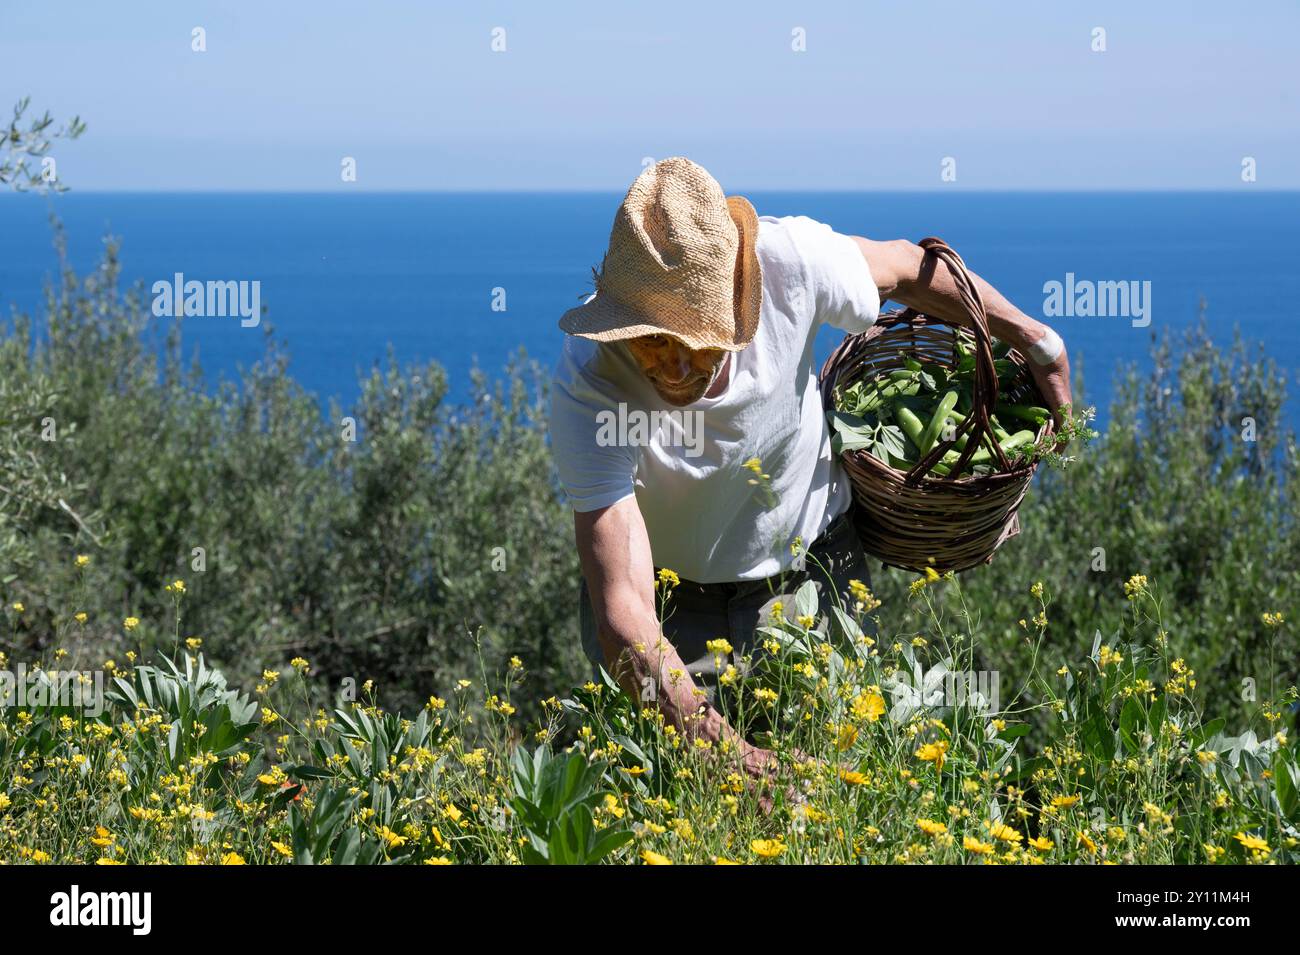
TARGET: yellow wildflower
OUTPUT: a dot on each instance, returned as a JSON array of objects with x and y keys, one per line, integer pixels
[
  {"x": 1135, "y": 586},
  {"x": 719, "y": 646},
  {"x": 933, "y": 753},
  {"x": 869, "y": 706},
  {"x": 863, "y": 600},
  {"x": 1005, "y": 833},
  {"x": 930, "y": 827},
  {"x": 1253, "y": 843}
]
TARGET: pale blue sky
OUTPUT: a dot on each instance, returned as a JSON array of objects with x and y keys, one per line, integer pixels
[{"x": 585, "y": 90}]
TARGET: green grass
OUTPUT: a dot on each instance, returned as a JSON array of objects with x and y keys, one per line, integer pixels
[{"x": 878, "y": 764}]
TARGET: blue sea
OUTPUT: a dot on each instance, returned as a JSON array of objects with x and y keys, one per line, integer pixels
[{"x": 344, "y": 277}]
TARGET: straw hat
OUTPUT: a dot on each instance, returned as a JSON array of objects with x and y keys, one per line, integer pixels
[{"x": 671, "y": 264}]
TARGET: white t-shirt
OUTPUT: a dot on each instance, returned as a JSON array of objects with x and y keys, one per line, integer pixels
[{"x": 612, "y": 436}]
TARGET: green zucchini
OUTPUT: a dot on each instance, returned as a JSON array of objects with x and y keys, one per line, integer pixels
[
  {"x": 1030, "y": 413},
  {"x": 931, "y": 432}
]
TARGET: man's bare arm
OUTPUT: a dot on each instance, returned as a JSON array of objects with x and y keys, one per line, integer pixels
[
  {"x": 904, "y": 273},
  {"x": 615, "y": 554}
]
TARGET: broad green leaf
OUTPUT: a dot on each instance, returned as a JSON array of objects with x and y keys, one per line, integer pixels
[
  {"x": 607, "y": 842},
  {"x": 1130, "y": 718},
  {"x": 1286, "y": 780},
  {"x": 805, "y": 600},
  {"x": 308, "y": 772},
  {"x": 1156, "y": 717},
  {"x": 346, "y": 853}
]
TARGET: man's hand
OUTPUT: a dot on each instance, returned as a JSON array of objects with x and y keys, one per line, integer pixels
[
  {"x": 903, "y": 272},
  {"x": 763, "y": 767},
  {"x": 1054, "y": 382},
  {"x": 760, "y": 766}
]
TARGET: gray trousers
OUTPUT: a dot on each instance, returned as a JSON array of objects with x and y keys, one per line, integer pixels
[{"x": 697, "y": 613}]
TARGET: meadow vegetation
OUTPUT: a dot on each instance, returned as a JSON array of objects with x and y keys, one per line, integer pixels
[{"x": 268, "y": 596}]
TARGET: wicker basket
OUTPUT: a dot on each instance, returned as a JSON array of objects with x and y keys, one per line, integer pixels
[{"x": 909, "y": 519}]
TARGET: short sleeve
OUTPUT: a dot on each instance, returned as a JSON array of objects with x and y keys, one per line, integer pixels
[
  {"x": 593, "y": 473},
  {"x": 839, "y": 277}
]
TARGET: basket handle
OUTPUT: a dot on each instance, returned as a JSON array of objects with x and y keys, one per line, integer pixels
[{"x": 984, "y": 397}]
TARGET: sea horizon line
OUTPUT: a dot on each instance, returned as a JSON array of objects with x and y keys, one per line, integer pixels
[{"x": 350, "y": 192}]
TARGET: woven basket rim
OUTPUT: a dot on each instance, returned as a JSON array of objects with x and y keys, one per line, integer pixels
[{"x": 884, "y": 323}]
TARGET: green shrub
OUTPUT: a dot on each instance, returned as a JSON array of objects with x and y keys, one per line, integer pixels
[{"x": 387, "y": 557}]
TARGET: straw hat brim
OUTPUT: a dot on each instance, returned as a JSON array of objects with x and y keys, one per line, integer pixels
[{"x": 605, "y": 320}]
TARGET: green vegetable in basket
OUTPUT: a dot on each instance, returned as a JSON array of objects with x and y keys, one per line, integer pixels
[
  {"x": 911, "y": 425},
  {"x": 931, "y": 433},
  {"x": 1017, "y": 440},
  {"x": 1030, "y": 413},
  {"x": 898, "y": 415}
]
